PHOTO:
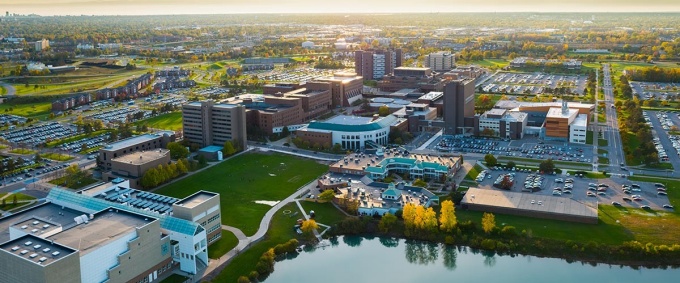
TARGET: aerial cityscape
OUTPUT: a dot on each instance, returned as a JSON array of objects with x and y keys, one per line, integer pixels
[{"x": 366, "y": 141}]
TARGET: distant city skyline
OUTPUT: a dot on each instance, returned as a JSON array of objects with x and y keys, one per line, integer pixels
[{"x": 156, "y": 7}]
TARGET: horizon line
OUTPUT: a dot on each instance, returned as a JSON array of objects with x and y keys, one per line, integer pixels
[{"x": 350, "y": 13}]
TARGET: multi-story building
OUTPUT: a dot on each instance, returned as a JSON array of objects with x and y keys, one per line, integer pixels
[
  {"x": 109, "y": 233},
  {"x": 144, "y": 142},
  {"x": 207, "y": 123},
  {"x": 345, "y": 88},
  {"x": 41, "y": 45},
  {"x": 500, "y": 123},
  {"x": 373, "y": 64},
  {"x": 440, "y": 61},
  {"x": 459, "y": 102},
  {"x": 411, "y": 78},
  {"x": 351, "y": 132},
  {"x": 132, "y": 166}
]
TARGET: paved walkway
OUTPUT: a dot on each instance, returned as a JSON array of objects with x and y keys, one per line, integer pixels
[
  {"x": 431, "y": 140},
  {"x": 245, "y": 242}
]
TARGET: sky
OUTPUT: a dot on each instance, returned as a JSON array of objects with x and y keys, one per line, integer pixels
[{"x": 155, "y": 7}]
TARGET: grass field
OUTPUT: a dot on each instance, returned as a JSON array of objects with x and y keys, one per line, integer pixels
[
  {"x": 22, "y": 151},
  {"x": 558, "y": 163},
  {"x": 474, "y": 171},
  {"x": 325, "y": 213},
  {"x": 27, "y": 110},
  {"x": 10, "y": 199},
  {"x": 227, "y": 242},
  {"x": 74, "y": 183},
  {"x": 492, "y": 63},
  {"x": 602, "y": 151},
  {"x": 244, "y": 179},
  {"x": 56, "y": 156},
  {"x": 170, "y": 121},
  {"x": 175, "y": 278},
  {"x": 603, "y": 160},
  {"x": 602, "y": 142},
  {"x": 3, "y": 90},
  {"x": 589, "y": 137}
]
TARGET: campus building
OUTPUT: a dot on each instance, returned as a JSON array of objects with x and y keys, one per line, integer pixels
[
  {"x": 345, "y": 88},
  {"x": 207, "y": 123},
  {"x": 380, "y": 198},
  {"x": 411, "y": 78},
  {"x": 500, "y": 123},
  {"x": 41, "y": 45},
  {"x": 440, "y": 61},
  {"x": 351, "y": 132},
  {"x": 459, "y": 102},
  {"x": 146, "y": 142},
  {"x": 112, "y": 234},
  {"x": 132, "y": 166},
  {"x": 374, "y": 64}
]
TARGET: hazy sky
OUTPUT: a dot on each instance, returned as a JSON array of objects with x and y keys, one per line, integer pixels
[{"x": 144, "y": 7}]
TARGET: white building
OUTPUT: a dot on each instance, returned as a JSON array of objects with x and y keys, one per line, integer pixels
[
  {"x": 351, "y": 132},
  {"x": 441, "y": 61},
  {"x": 378, "y": 66},
  {"x": 308, "y": 44},
  {"x": 578, "y": 129},
  {"x": 42, "y": 44}
]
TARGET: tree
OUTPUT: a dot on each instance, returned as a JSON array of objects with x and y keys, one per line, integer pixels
[
  {"x": 228, "y": 149},
  {"x": 383, "y": 111},
  {"x": 419, "y": 183},
  {"x": 243, "y": 279},
  {"x": 447, "y": 217},
  {"x": 327, "y": 195},
  {"x": 38, "y": 158},
  {"x": 387, "y": 222},
  {"x": 177, "y": 150},
  {"x": 547, "y": 166},
  {"x": 73, "y": 170},
  {"x": 488, "y": 222},
  {"x": 308, "y": 227},
  {"x": 511, "y": 164},
  {"x": 14, "y": 199},
  {"x": 285, "y": 132},
  {"x": 487, "y": 132},
  {"x": 490, "y": 160}
]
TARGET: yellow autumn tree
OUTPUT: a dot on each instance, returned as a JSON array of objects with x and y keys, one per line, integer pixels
[
  {"x": 488, "y": 222},
  {"x": 447, "y": 217}
]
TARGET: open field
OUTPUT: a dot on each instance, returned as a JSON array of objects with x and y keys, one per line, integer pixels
[
  {"x": 27, "y": 110},
  {"x": 325, "y": 213},
  {"x": 491, "y": 63},
  {"x": 9, "y": 205},
  {"x": 80, "y": 80},
  {"x": 56, "y": 156},
  {"x": 227, "y": 242},
  {"x": 247, "y": 178},
  {"x": 169, "y": 121},
  {"x": 646, "y": 226},
  {"x": 175, "y": 278}
]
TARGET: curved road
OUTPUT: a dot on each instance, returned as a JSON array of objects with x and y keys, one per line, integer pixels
[{"x": 10, "y": 89}]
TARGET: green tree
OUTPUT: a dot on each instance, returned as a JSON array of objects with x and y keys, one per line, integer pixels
[
  {"x": 488, "y": 222},
  {"x": 547, "y": 166},
  {"x": 387, "y": 222},
  {"x": 177, "y": 150},
  {"x": 447, "y": 217},
  {"x": 511, "y": 164},
  {"x": 14, "y": 199},
  {"x": 38, "y": 158},
  {"x": 73, "y": 170},
  {"x": 490, "y": 160},
  {"x": 383, "y": 111},
  {"x": 228, "y": 149},
  {"x": 327, "y": 195},
  {"x": 243, "y": 279}
]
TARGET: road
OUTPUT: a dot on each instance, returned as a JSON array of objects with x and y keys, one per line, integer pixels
[
  {"x": 611, "y": 128},
  {"x": 10, "y": 89}
]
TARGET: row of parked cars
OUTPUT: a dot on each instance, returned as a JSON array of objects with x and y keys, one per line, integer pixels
[
  {"x": 119, "y": 115},
  {"x": 77, "y": 146},
  {"x": 38, "y": 134}
]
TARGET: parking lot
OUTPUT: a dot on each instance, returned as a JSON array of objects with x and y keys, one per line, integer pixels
[
  {"x": 121, "y": 115},
  {"x": 297, "y": 75},
  {"x": 666, "y": 145},
  {"x": 77, "y": 146},
  {"x": 9, "y": 119},
  {"x": 648, "y": 194},
  {"x": 38, "y": 134},
  {"x": 526, "y": 148},
  {"x": 534, "y": 83},
  {"x": 653, "y": 90}
]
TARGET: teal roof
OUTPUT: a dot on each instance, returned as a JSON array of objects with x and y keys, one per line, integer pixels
[
  {"x": 353, "y": 124},
  {"x": 391, "y": 192},
  {"x": 167, "y": 222},
  {"x": 374, "y": 169},
  {"x": 380, "y": 168}
]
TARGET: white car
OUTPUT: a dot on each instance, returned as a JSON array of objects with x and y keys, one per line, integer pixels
[{"x": 559, "y": 180}]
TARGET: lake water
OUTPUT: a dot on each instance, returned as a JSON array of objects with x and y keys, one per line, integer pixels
[{"x": 357, "y": 260}]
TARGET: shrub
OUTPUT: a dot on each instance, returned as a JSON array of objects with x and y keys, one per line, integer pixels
[
  {"x": 488, "y": 244},
  {"x": 243, "y": 279},
  {"x": 509, "y": 231},
  {"x": 253, "y": 275}
]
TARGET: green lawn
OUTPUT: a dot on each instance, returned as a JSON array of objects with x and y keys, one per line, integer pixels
[
  {"x": 602, "y": 142},
  {"x": 602, "y": 151},
  {"x": 227, "y": 242},
  {"x": 603, "y": 160},
  {"x": 672, "y": 186},
  {"x": 27, "y": 110},
  {"x": 280, "y": 231},
  {"x": 244, "y": 179},
  {"x": 74, "y": 183},
  {"x": 474, "y": 171},
  {"x": 589, "y": 137},
  {"x": 325, "y": 213},
  {"x": 56, "y": 156},
  {"x": 558, "y": 163},
  {"x": 646, "y": 226},
  {"x": 491, "y": 63},
  {"x": 10, "y": 199},
  {"x": 22, "y": 151},
  {"x": 170, "y": 121},
  {"x": 606, "y": 231},
  {"x": 661, "y": 165},
  {"x": 3, "y": 90},
  {"x": 630, "y": 146}
]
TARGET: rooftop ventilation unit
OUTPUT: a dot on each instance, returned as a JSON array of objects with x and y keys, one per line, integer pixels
[
  {"x": 46, "y": 250},
  {"x": 24, "y": 252},
  {"x": 36, "y": 222},
  {"x": 28, "y": 243},
  {"x": 42, "y": 259},
  {"x": 55, "y": 253},
  {"x": 37, "y": 247},
  {"x": 33, "y": 255},
  {"x": 15, "y": 248}
]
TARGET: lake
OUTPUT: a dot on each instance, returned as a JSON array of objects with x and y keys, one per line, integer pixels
[{"x": 358, "y": 259}]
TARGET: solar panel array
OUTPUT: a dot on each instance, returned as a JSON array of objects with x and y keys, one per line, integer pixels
[{"x": 139, "y": 199}]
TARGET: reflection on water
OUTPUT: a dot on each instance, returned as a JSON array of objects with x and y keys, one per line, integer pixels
[{"x": 386, "y": 259}]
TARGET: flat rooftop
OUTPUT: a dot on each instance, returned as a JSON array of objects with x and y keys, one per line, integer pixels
[
  {"x": 36, "y": 250},
  {"x": 47, "y": 211},
  {"x": 105, "y": 227},
  {"x": 195, "y": 199},
  {"x": 557, "y": 113},
  {"x": 530, "y": 202},
  {"x": 581, "y": 120},
  {"x": 511, "y": 104},
  {"x": 496, "y": 111},
  {"x": 360, "y": 161},
  {"x": 142, "y": 157},
  {"x": 135, "y": 140},
  {"x": 349, "y": 120},
  {"x": 432, "y": 95}
]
